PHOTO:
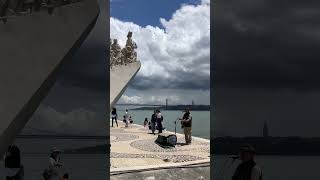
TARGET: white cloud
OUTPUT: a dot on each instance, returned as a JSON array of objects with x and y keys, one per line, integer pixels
[
  {"x": 150, "y": 99},
  {"x": 159, "y": 96},
  {"x": 179, "y": 50},
  {"x": 130, "y": 99}
]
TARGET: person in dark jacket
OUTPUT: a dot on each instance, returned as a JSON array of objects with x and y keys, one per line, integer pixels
[
  {"x": 12, "y": 162},
  {"x": 114, "y": 116},
  {"x": 153, "y": 121},
  {"x": 247, "y": 169},
  {"x": 187, "y": 125},
  {"x": 159, "y": 121}
]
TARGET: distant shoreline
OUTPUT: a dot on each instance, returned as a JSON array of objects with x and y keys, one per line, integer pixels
[{"x": 176, "y": 107}]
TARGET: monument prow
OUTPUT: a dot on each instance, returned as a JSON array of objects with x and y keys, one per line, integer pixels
[
  {"x": 33, "y": 48},
  {"x": 120, "y": 77},
  {"x": 124, "y": 67}
]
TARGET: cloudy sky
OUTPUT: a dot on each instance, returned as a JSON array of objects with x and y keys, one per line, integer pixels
[
  {"x": 266, "y": 64},
  {"x": 173, "y": 39}
]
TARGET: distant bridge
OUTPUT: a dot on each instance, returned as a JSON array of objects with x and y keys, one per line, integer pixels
[{"x": 139, "y": 104}]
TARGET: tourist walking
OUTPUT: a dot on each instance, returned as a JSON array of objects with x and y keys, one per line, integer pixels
[
  {"x": 159, "y": 122},
  {"x": 12, "y": 163},
  {"x": 114, "y": 116},
  {"x": 153, "y": 122},
  {"x": 247, "y": 169},
  {"x": 186, "y": 125}
]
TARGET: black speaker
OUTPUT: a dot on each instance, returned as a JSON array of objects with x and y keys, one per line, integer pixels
[{"x": 167, "y": 140}]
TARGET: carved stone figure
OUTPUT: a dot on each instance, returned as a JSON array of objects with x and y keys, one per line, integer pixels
[
  {"x": 123, "y": 56},
  {"x": 129, "y": 52},
  {"x": 115, "y": 53}
]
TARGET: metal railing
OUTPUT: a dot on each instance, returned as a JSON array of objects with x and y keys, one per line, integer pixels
[{"x": 13, "y": 8}]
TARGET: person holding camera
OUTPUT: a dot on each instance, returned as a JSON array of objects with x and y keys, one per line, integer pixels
[
  {"x": 53, "y": 173},
  {"x": 186, "y": 124}
]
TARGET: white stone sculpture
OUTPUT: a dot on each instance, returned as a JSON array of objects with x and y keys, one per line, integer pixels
[{"x": 123, "y": 56}]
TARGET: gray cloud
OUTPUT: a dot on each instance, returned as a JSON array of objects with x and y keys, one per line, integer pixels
[
  {"x": 267, "y": 44},
  {"x": 266, "y": 67}
]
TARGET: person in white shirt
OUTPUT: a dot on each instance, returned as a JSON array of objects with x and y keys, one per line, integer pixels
[
  {"x": 248, "y": 168},
  {"x": 127, "y": 118}
]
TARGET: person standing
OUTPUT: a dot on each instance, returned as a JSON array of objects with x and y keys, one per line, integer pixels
[
  {"x": 127, "y": 118},
  {"x": 55, "y": 164},
  {"x": 65, "y": 176},
  {"x": 159, "y": 121},
  {"x": 12, "y": 163},
  {"x": 114, "y": 116},
  {"x": 187, "y": 124},
  {"x": 145, "y": 122},
  {"x": 247, "y": 169},
  {"x": 153, "y": 121}
]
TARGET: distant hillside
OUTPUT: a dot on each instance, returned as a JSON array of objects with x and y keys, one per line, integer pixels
[{"x": 178, "y": 107}]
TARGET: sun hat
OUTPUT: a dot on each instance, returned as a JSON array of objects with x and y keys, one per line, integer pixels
[{"x": 55, "y": 149}]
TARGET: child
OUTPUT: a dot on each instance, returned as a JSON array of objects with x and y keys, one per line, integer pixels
[
  {"x": 130, "y": 120},
  {"x": 145, "y": 122}
]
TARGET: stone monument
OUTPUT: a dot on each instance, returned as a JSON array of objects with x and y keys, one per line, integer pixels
[
  {"x": 33, "y": 49},
  {"x": 123, "y": 56},
  {"x": 124, "y": 65}
]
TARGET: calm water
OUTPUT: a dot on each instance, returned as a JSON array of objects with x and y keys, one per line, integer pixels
[
  {"x": 35, "y": 157},
  {"x": 200, "y": 120},
  {"x": 274, "y": 167}
]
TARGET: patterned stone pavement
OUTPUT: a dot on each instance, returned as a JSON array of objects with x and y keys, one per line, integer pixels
[{"x": 134, "y": 147}]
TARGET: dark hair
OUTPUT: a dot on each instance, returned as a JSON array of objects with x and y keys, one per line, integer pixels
[
  {"x": 247, "y": 148},
  {"x": 146, "y": 119},
  {"x": 14, "y": 160},
  {"x": 66, "y": 175}
]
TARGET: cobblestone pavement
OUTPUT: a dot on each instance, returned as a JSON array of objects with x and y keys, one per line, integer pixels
[{"x": 134, "y": 146}]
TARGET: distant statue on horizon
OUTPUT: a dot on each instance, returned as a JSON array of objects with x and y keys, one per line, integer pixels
[{"x": 123, "y": 56}]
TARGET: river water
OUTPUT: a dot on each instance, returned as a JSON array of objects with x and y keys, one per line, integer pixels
[{"x": 200, "y": 120}]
